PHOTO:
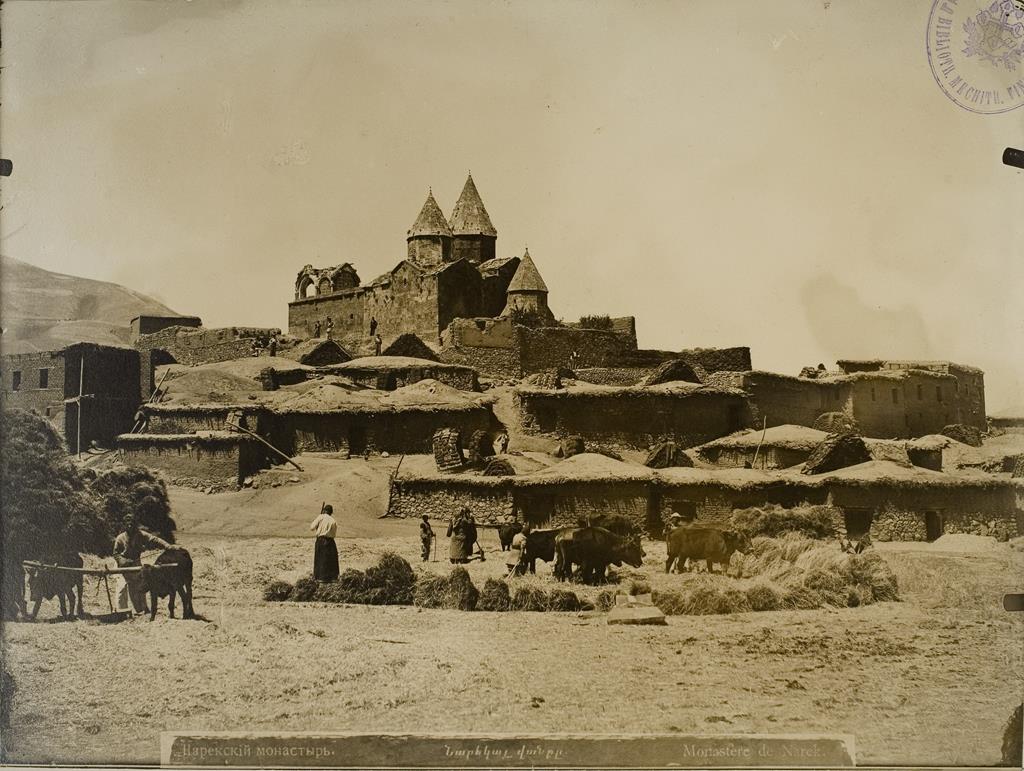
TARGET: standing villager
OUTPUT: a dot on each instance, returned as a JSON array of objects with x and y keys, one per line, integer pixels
[
  {"x": 330, "y": 328},
  {"x": 501, "y": 445},
  {"x": 128, "y": 547},
  {"x": 272, "y": 348},
  {"x": 462, "y": 533},
  {"x": 426, "y": 537},
  {"x": 255, "y": 347},
  {"x": 325, "y": 550},
  {"x": 316, "y": 328},
  {"x": 373, "y": 326},
  {"x": 141, "y": 420},
  {"x": 377, "y": 343},
  {"x": 517, "y": 562}
]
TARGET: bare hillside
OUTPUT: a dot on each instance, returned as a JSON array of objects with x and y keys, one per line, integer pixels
[{"x": 42, "y": 310}]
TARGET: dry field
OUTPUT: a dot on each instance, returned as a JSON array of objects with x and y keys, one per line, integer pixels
[{"x": 927, "y": 680}]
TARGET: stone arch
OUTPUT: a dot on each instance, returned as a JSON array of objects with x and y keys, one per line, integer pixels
[
  {"x": 302, "y": 285},
  {"x": 324, "y": 286}
]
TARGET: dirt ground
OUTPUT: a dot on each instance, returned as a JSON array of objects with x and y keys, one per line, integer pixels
[{"x": 929, "y": 680}]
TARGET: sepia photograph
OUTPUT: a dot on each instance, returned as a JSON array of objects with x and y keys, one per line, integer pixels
[{"x": 495, "y": 384}]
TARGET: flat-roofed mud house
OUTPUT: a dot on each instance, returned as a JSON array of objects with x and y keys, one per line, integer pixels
[
  {"x": 634, "y": 416},
  {"x": 89, "y": 392},
  {"x": 893, "y": 501}
]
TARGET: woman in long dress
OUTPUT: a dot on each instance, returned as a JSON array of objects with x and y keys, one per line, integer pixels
[
  {"x": 461, "y": 532},
  {"x": 325, "y": 551}
]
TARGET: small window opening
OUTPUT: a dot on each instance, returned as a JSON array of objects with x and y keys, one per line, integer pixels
[
  {"x": 16, "y": 380},
  {"x": 44, "y": 380}
]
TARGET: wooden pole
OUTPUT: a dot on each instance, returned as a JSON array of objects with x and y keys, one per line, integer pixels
[
  {"x": 96, "y": 571},
  {"x": 81, "y": 390},
  {"x": 237, "y": 427}
]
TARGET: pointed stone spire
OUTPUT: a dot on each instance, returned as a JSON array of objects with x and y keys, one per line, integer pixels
[
  {"x": 469, "y": 217},
  {"x": 527, "y": 277},
  {"x": 431, "y": 221}
]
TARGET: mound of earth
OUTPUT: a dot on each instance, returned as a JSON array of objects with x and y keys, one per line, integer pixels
[{"x": 966, "y": 543}]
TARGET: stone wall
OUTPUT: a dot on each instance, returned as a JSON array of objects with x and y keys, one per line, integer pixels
[
  {"x": 440, "y": 501},
  {"x": 892, "y": 524},
  {"x": 147, "y": 325},
  {"x": 205, "y": 346},
  {"x": 408, "y": 431},
  {"x": 633, "y": 419},
  {"x": 220, "y": 463},
  {"x": 47, "y": 402},
  {"x": 389, "y": 379},
  {"x": 548, "y": 348},
  {"x": 613, "y": 376},
  {"x": 564, "y": 505}
]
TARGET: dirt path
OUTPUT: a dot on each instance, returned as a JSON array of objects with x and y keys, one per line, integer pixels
[{"x": 929, "y": 680}]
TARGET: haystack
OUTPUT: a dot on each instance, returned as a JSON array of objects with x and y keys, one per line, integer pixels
[
  {"x": 411, "y": 346},
  {"x": 1018, "y": 467},
  {"x": 480, "y": 447},
  {"x": 498, "y": 467},
  {"x": 447, "y": 445},
  {"x": 836, "y": 452},
  {"x": 674, "y": 371},
  {"x": 667, "y": 454},
  {"x": 961, "y": 433},
  {"x": 495, "y": 596},
  {"x": 548, "y": 380},
  {"x": 571, "y": 445},
  {"x": 454, "y": 592},
  {"x": 836, "y": 423}
]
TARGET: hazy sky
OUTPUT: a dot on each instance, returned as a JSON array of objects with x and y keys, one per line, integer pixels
[{"x": 783, "y": 175}]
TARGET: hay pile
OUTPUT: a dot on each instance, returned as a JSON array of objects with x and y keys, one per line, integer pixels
[
  {"x": 390, "y": 582},
  {"x": 495, "y": 596},
  {"x": 836, "y": 423},
  {"x": 571, "y": 445},
  {"x": 410, "y": 346},
  {"x": 835, "y": 452},
  {"x": 788, "y": 573},
  {"x": 453, "y": 592},
  {"x": 548, "y": 380},
  {"x": 961, "y": 433},
  {"x": 666, "y": 455},
  {"x": 498, "y": 467},
  {"x": 774, "y": 520},
  {"x": 529, "y": 598},
  {"x": 676, "y": 370}
]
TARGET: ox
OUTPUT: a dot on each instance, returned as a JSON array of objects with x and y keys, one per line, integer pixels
[
  {"x": 166, "y": 582},
  {"x": 507, "y": 532},
  {"x": 706, "y": 544},
  {"x": 593, "y": 549},
  {"x": 46, "y": 584}
]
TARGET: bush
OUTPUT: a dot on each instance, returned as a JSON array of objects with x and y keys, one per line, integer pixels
[
  {"x": 530, "y": 598},
  {"x": 563, "y": 600},
  {"x": 304, "y": 589},
  {"x": 277, "y": 591},
  {"x": 495, "y": 596},
  {"x": 774, "y": 520}
]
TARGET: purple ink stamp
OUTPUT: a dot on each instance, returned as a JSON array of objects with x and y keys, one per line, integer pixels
[{"x": 976, "y": 52}]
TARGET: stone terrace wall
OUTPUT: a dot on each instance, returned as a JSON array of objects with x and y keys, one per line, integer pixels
[
  {"x": 463, "y": 378},
  {"x": 549, "y": 348},
  {"x": 188, "y": 461},
  {"x": 613, "y": 376},
  {"x": 635, "y": 420},
  {"x": 440, "y": 501},
  {"x": 565, "y": 505},
  {"x": 205, "y": 346}
]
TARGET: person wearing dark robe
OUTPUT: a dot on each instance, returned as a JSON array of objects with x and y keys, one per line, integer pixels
[
  {"x": 325, "y": 550},
  {"x": 460, "y": 530},
  {"x": 426, "y": 537},
  {"x": 316, "y": 328},
  {"x": 373, "y": 326},
  {"x": 272, "y": 347}
]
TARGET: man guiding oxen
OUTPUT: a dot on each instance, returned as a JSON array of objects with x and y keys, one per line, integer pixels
[{"x": 128, "y": 548}]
